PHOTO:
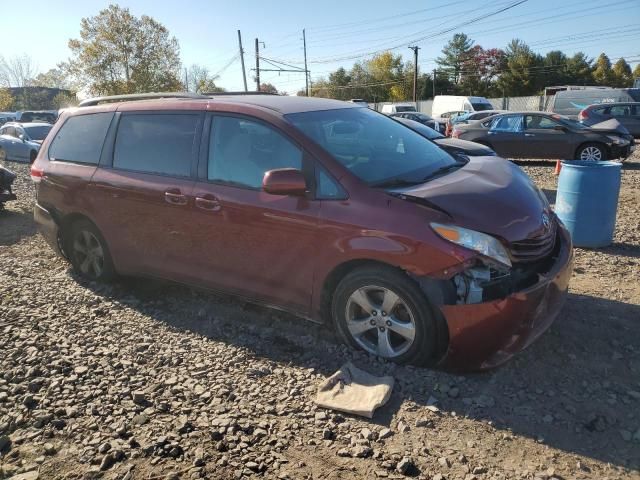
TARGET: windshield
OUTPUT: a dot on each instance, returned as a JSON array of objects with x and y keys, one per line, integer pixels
[
  {"x": 405, "y": 108},
  {"x": 478, "y": 107},
  {"x": 37, "y": 133},
  {"x": 422, "y": 129},
  {"x": 374, "y": 147}
]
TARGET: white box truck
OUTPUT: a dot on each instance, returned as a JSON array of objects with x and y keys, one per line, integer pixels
[{"x": 454, "y": 103}]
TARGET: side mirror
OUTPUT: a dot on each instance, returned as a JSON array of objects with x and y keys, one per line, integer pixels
[{"x": 284, "y": 181}]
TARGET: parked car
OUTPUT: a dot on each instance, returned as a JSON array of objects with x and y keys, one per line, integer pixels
[
  {"x": 320, "y": 207},
  {"x": 21, "y": 141},
  {"x": 360, "y": 101},
  {"x": 46, "y": 116},
  {"x": 470, "y": 117},
  {"x": 6, "y": 180},
  {"x": 454, "y": 103},
  {"x": 395, "y": 108},
  {"x": 570, "y": 102},
  {"x": 444, "y": 119},
  {"x": 450, "y": 145},
  {"x": 547, "y": 135},
  {"x": 628, "y": 114},
  {"x": 422, "y": 118}
]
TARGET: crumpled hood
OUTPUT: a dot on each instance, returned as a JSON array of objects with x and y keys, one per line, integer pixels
[{"x": 489, "y": 195}]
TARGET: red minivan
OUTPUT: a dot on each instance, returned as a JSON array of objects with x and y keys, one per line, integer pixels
[{"x": 324, "y": 208}]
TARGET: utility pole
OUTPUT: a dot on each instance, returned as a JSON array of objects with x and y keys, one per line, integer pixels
[
  {"x": 415, "y": 73},
  {"x": 244, "y": 75},
  {"x": 186, "y": 80},
  {"x": 434, "y": 83},
  {"x": 257, "y": 67},
  {"x": 306, "y": 72}
]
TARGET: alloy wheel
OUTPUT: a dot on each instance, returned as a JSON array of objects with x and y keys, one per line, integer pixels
[
  {"x": 592, "y": 154},
  {"x": 89, "y": 254},
  {"x": 380, "y": 321}
]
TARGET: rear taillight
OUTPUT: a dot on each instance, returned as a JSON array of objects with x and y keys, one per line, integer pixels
[
  {"x": 36, "y": 174},
  {"x": 583, "y": 115},
  {"x": 455, "y": 133}
]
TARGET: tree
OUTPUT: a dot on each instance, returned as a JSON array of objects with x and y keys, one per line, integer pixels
[
  {"x": 17, "y": 71},
  {"x": 480, "y": 70},
  {"x": 268, "y": 87},
  {"x": 6, "y": 100},
  {"x": 636, "y": 71},
  {"x": 201, "y": 81},
  {"x": 602, "y": 73},
  {"x": 54, "y": 78},
  {"x": 621, "y": 73},
  {"x": 454, "y": 55},
  {"x": 119, "y": 53},
  {"x": 579, "y": 70},
  {"x": 523, "y": 67},
  {"x": 64, "y": 100}
]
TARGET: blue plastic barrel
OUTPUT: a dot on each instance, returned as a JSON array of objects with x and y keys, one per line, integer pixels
[{"x": 587, "y": 201}]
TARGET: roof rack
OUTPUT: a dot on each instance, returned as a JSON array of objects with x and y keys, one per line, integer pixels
[
  {"x": 216, "y": 94},
  {"x": 90, "y": 102}
]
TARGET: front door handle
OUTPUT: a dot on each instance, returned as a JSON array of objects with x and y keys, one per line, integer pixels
[
  {"x": 208, "y": 202},
  {"x": 529, "y": 134},
  {"x": 175, "y": 197}
]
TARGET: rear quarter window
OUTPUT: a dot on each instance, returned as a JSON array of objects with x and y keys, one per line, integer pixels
[{"x": 81, "y": 138}]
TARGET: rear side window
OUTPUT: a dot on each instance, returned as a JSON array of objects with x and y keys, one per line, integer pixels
[
  {"x": 81, "y": 138},
  {"x": 156, "y": 143}
]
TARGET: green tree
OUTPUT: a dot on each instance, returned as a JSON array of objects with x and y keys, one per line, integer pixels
[
  {"x": 522, "y": 75},
  {"x": 454, "y": 55},
  {"x": 579, "y": 70},
  {"x": 6, "y": 100},
  {"x": 602, "y": 73},
  {"x": 119, "y": 53},
  {"x": 54, "y": 78},
  {"x": 636, "y": 71},
  {"x": 201, "y": 81},
  {"x": 621, "y": 73}
]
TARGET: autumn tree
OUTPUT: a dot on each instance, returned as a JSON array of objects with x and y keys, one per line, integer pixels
[
  {"x": 6, "y": 100},
  {"x": 636, "y": 71},
  {"x": 200, "y": 80},
  {"x": 119, "y": 53},
  {"x": 54, "y": 78},
  {"x": 64, "y": 100},
  {"x": 621, "y": 73},
  {"x": 602, "y": 72},
  {"x": 268, "y": 88}
]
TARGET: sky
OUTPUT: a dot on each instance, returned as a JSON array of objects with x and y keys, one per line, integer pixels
[{"x": 338, "y": 33}]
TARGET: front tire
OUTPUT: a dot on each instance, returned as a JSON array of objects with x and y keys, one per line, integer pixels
[
  {"x": 382, "y": 311},
  {"x": 591, "y": 152},
  {"x": 88, "y": 252}
]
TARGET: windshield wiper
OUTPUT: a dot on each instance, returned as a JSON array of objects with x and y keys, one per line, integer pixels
[
  {"x": 395, "y": 182},
  {"x": 441, "y": 170}
]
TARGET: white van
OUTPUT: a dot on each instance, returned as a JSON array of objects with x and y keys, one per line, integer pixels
[
  {"x": 394, "y": 108},
  {"x": 454, "y": 103}
]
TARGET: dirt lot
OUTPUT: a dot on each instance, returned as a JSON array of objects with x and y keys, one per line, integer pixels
[{"x": 145, "y": 380}]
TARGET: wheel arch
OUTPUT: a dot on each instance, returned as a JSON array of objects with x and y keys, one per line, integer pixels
[
  {"x": 341, "y": 270},
  {"x": 604, "y": 147},
  {"x": 65, "y": 223}
]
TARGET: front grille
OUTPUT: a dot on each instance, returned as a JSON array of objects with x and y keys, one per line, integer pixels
[{"x": 533, "y": 249}]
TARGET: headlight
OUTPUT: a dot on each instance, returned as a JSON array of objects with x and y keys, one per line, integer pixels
[
  {"x": 617, "y": 140},
  {"x": 480, "y": 242}
]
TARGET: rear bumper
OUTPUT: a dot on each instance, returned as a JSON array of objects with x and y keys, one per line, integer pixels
[
  {"x": 485, "y": 335},
  {"x": 48, "y": 227}
]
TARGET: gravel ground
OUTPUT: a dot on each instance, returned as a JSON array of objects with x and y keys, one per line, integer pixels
[{"x": 151, "y": 380}]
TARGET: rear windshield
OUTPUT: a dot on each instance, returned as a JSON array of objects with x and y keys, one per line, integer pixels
[
  {"x": 38, "y": 133},
  {"x": 478, "y": 107}
]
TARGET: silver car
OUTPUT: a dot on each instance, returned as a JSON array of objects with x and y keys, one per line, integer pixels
[{"x": 21, "y": 141}]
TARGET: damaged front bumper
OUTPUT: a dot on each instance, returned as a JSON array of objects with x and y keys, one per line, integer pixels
[{"x": 485, "y": 335}]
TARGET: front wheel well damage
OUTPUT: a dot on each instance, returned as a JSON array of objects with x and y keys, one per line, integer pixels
[
  {"x": 65, "y": 223},
  {"x": 434, "y": 291}
]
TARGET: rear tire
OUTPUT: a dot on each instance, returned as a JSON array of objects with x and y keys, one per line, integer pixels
[
  {"x": 88, "y": 252},
  {"x": 407, "y": 333},
  {"x": 592, "y": 152}
]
